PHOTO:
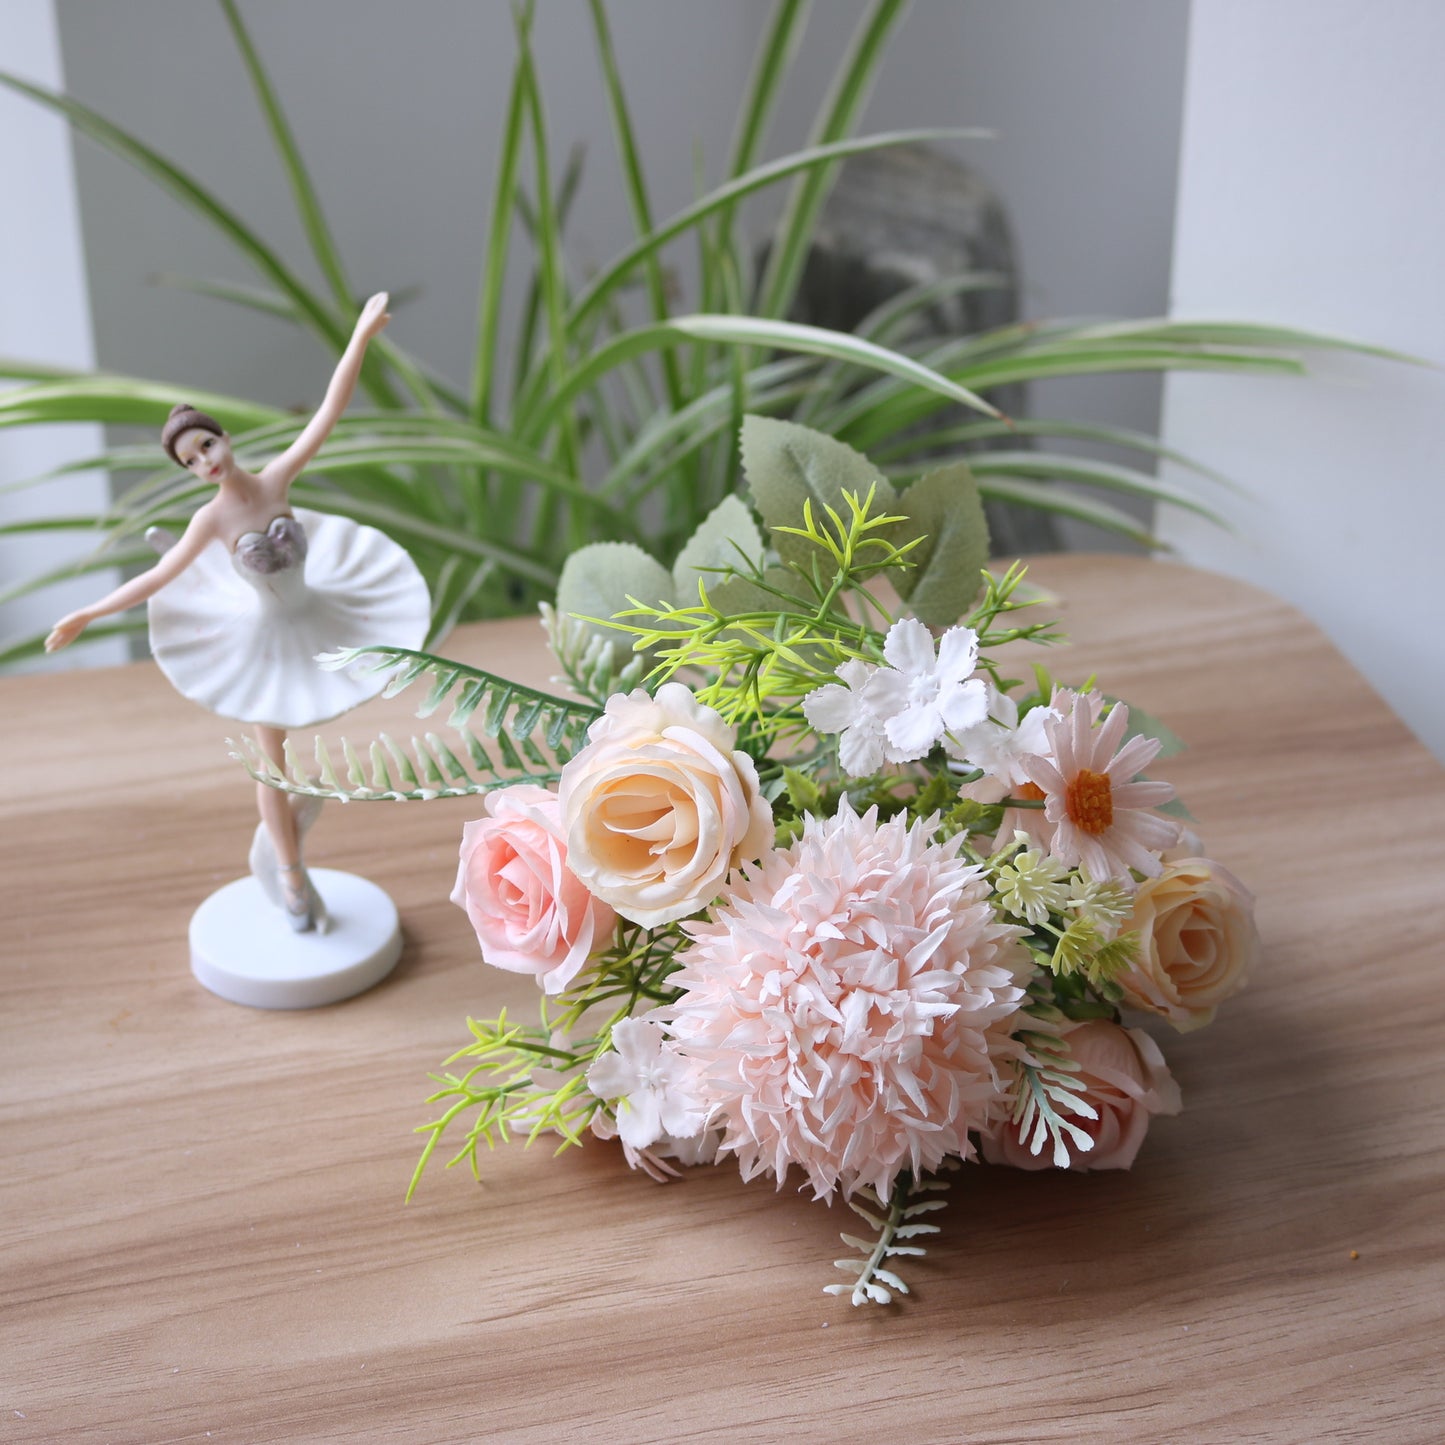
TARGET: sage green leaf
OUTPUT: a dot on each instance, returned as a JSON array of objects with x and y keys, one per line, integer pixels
[
  {"x": 727, "y": 537},
  {"x": 789, "y": 467},
  {"x": 944, "y": 507},
  {"x": 598, "y": 580}
]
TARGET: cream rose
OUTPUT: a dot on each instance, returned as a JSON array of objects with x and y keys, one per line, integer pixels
[
  {"x": 530, "y": 911},
  {"x": 658, "y": 807},
  {"x": 1196, "y": 941},
  {"x": 1123, "y": 1077}
]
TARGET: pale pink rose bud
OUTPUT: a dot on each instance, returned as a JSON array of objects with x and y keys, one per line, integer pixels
[
  {"x": 659, "y": 807},
  {"x": 531, "y": 912},
  {"x": 1197, "y": 940},
  {"x": 1123, "y": 1076}
]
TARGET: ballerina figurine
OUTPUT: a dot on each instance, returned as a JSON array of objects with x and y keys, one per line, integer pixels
[{"x": 241, "y": 604}]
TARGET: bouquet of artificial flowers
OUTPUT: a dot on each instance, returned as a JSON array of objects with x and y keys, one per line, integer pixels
[{"x": 806, "y": 880}]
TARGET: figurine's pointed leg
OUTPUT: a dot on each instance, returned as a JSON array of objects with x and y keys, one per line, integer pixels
[{"x": 276, "y": 847}]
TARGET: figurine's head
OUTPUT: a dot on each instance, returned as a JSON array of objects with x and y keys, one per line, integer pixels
[{"x": 196, "y": 441}]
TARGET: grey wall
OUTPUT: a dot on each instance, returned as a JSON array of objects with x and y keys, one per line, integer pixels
[{"x": 398, "y": 109}]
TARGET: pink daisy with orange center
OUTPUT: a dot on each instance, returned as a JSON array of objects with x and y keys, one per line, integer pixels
[{"x": 1101, "y": 811}]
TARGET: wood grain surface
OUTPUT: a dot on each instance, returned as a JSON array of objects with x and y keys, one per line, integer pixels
[{"x": 202, "y": 1234}]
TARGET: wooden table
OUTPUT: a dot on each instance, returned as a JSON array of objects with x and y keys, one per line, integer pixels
[{"x": 201, "y": 1221}]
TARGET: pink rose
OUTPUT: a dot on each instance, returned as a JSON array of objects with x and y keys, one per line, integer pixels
[
  {"x": 659, "y": 807},
  {"x": 531, "y": 912},
  {"x": 1123, "y": 1077},
  {"x": 1196, "y": 942}
]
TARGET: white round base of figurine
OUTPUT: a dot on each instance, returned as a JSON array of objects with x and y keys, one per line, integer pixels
[{"x": 243, "y": 949}]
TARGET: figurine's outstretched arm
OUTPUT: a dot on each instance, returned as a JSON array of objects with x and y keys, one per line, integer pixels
[
  {"x": 175, "y": 561},
  {"x": 284, "y": 470}
]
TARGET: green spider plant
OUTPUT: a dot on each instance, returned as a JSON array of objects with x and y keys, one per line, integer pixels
[{"x": 612, "y": 426}]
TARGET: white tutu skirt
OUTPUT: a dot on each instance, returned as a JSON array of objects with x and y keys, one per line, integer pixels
[{"x": 238, "y": 632}]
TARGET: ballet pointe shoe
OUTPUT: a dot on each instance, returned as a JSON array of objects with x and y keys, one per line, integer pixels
[
  {"x": 288, "y": 886},
  {"x": 299, "y": 900}
]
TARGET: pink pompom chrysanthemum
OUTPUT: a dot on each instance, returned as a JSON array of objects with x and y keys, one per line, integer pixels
[{"x": 847, "y": 1005}]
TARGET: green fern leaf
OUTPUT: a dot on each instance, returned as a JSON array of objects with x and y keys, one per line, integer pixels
[
  {"x": 873, "y": 1282},
  {"x": 524, "y": 735}
]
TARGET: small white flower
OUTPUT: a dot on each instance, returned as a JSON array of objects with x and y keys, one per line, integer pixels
[
  {"x": 863, "y": 746},
  {"x": 919, "y": 696},
  {"x": 1031, "y": 885},
  {"x": 998, "y": 744},
  {"x": 650, "y": 1081},
  {"x": 1106, "y": 905}
]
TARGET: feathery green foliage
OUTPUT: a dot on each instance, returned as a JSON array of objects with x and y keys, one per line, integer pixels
[
  {"x": 522, "y": 735},
  {"x": 873, "y": 1281},
  {"x": 1046, "y": 1091}
]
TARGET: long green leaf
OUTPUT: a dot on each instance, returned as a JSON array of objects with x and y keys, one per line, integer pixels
[
  {"x": 457, "y": 451},
  {"x": 595, "y": 293},
  {"x": 14, "y": 369},
  {"x": 904, "y": 410},
  {"x": 1067, "y": 504},
  {"x": 532, "y": 306},
  {"x": 667, "y": 429},
  {"x": 1238, "y": 333},
  {"x": 28, "y": 525},
  {"x": 554, "y": 285},
  {"x": 771, "y": 63},
  {"x": 405, "y": 526},
  {"x": 718, "y": 430},
  {"x": 837, "y": 116},
  {"x": 122, "y": 401},
  {"x": 926, "y": 445},
  {"x": 192, "y": 194},
  {"x": 741, "y": 331},
  {"x": 457, "y": 584},
  {"x": 1048, "y": 466},
  {"x": 303, "y": 192},
  {"x": 494, "y": 272},
  {"x": 253, "y": 298},
  {"x": 99, "y": 559},
  {"x": 23, "y": 649},
  {"x": 635, "y": 184},
  {"x": 883, "y": 324}
]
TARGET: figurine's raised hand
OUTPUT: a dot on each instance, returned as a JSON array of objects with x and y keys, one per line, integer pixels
[
  {"x": 66, "y": 631},
  {"x": 374, "y": 316}
]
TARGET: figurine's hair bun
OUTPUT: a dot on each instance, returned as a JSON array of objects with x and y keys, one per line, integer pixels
[{"x": 183, "y": 418}]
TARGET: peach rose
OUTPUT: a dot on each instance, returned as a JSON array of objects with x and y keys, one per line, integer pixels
[
  {"x": 531, "y": 912},
  {"x": 1196, "y": 941},
  {"x": 658, "y": 807},
  {"x": 1123, "y": 1076}
]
